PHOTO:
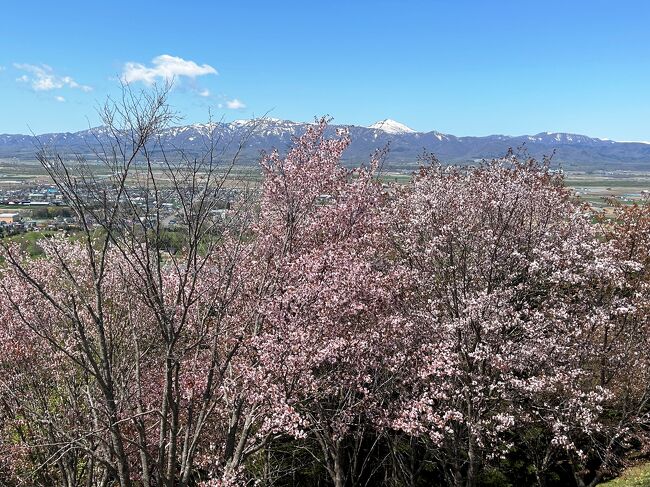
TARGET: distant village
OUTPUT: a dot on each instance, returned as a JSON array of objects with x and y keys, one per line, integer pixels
[
  {"x": 44, "y": 208},
  {"x": 34, "y": 208}
]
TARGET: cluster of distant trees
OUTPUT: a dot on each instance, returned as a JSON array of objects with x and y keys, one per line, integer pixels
[
  {"x": 50, "y": 212},
  {"x": 475, "y": 326}
]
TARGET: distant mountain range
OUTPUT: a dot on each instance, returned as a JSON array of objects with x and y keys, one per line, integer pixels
[{"x": 406, "y": 145}]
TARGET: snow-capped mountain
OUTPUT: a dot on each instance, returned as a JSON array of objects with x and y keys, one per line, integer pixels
[
  {"x": 406, "y": 145},
  {"x": 392, "y": 127}
]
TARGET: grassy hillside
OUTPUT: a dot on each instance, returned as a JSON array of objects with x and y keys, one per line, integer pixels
[{"x": 638, "y": 476}]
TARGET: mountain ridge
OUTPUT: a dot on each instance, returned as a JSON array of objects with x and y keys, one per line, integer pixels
[{"x": 406, "y": 144}]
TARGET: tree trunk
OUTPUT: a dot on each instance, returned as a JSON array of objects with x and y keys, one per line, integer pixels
[
  {"x": 339, "y": 468},
  {"x": 472, "y": 468}
]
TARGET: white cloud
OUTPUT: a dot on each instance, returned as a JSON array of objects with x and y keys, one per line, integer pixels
[
  {"x": 164, "y": 67},
  {"x": 204, "y": 93},
  {"x": 59, "y": 98},
  {"x": 235, "y": 104},
  {"x": 43, "y": 78}
]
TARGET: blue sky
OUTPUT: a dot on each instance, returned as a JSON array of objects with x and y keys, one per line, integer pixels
[{"x": 460, "y": 67}]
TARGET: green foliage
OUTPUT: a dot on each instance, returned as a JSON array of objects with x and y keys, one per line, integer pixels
[
  {"x": 494, "y": 478},
  {"x": 30, "y": 241},
  {"x": 171, "y": 240},
  {"x": 50, "y": 212}
]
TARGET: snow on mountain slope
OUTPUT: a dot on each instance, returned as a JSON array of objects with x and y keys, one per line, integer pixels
[
  {"x": 406, "y": 145},
  {"x": 392, "y": 127}
]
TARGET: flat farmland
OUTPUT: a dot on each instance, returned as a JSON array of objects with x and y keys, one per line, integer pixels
[
  {"x": 16, "y": 175},
  {"x": 596, "y": 188},
  {"x": 599, "y": 189}
]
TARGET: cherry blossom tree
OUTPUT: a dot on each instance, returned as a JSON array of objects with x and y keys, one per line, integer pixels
[
  {"x": 500, "y": 254},
  {"x": 133, "y": 340},
  {"x": 333, "y": 306},
  {"x": 617, "y": 345}
]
